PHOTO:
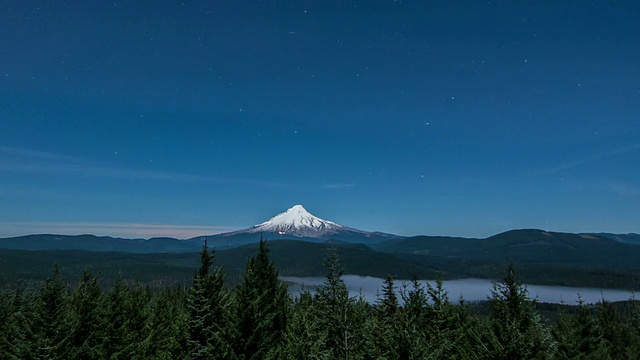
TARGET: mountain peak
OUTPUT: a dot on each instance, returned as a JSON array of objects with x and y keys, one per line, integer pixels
[
  {"x": 298, "y": 209},
  {"x": 298, "y": 221}
]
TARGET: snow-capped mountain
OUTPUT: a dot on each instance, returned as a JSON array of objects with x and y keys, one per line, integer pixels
[
  {"x": 298, "y": 224},
  {"x": 297, "y": 221}
]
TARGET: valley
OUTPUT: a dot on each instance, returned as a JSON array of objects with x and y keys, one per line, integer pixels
[{"x": 299, "y": 241}]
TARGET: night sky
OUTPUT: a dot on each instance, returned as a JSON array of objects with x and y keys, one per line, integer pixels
[{"x": 183, "y": 118}]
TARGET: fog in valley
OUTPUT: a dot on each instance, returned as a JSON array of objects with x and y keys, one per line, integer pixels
[{"x": 469, "y": 289}]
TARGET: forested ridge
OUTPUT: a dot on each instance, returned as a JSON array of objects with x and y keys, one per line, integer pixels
[{"x": 259, "y": 319}]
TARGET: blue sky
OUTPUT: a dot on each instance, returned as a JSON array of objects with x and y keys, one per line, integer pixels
[{"x": 143, "y": 118}]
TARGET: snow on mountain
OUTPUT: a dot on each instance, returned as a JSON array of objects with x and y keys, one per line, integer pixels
[
  {"x": 298, "y": 224},
  {"x": 297, "y": 221}
]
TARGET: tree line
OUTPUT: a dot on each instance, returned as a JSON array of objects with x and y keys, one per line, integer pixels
[{"x": 259, "y": 319}]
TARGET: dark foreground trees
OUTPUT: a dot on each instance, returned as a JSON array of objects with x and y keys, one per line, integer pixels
[
  {"x": 210, "y": 330},
  {"x": 260, "y": 320},
  {"x": 517, "y": 327},
  {"x": 261, "y": 303}
]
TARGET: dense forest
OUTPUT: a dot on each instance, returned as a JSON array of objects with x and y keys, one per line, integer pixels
[{"x": 259, "y": 319}]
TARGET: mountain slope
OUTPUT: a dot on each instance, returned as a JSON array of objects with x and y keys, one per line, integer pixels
[
  {"x": 623, "y": 238},
  {"x": 297, "y": 224},
  {"x": 528, "y": 245}
]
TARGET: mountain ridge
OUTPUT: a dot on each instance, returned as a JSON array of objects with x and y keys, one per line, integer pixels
[{"x": 296, "y": 223}]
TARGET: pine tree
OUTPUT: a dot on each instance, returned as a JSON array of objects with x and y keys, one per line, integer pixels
[
  {"x": 635, "y": 324},
  {"x": 124, "y": 317},
  {"x": 208, "y": 306},
  {"x": 361, "y": 327},
  {"x": 452, "y": 331},
  {"x": 577, "y": 335},
  {"x": 16, "y": 335},
  {"x": 412, "y": 328},
  {"x": 333, "y": 298},
  {"x": 166, "y": 327},
  {"x": 616, "y": 335},
  {"x": 443, "y": 336},
  {"x": 388, "y": 304},
  {"x": 386, "y": 321},
  {"x": 347, "y": 320},
  {"x": 86, "y": 319},
  {"x": 26, "y": 325},
  {"x": 305, "y": 336},
  {"x": 114, "y": 329},
  {"x": 516, "y": 324},
  {"x": 261, "y": 307},
  {"x": 137, "y": 310},
  {"x": 51, "y": 317}
]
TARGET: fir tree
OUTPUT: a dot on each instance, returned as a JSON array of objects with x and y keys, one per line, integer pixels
[
  {"x": 27, "y": 325},
  {"x": 208, "y": 307},
  {"x": 51, "y": 317},
  {"x": 16, "y": 326},
  {"x": 577, "y": 335},
  {"x": 115, "y": 319},
  {"x": 85, "y": 318},
  {"x": 635, "y": 324},
  {"x": 515, "y": 323},
  {"x": 137, "y": 310},
  {"x": 386, "y": 321},
  {"x": 165, "y": 327},
  {"x": 333, "y": 298},
  {"x": 347, "y": 320},
  {"x": 452, "y": 331},
  {"x": 124, "y": 317},
  {"x": 388, "y": 304},
  {"x": 261, "y": 304},
  {"x": 616, "y": 335},
  {"x": 305, "y": 336}
]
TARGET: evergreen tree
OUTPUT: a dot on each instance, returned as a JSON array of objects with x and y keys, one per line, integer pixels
[
  {"x": 453, "y": 333},
  {"x": 124, "y": 317},
  {"x": 386, "y": 321},
  {"x": 137, "y": 310},
  {"x": 635, "y": 324},
  {"x": 85, "y": 318},
  {"x": 208, "y": 306},
  {"x": 388, "y": 304},
  {"x": 7, "y": 325},
  {"x": 261, "y": 307},
  {"x": 333, "y": 299},
  {"x": 114, "y": 329},
  {"x": 360, "y": 328},
  {"x": 51, "y": 317},
  {"x": 412, "y": 327},
  {"x": 515, "y": 323},
  {"x": 305, "y": 336},
  {"x": 577, "y": 335},
  {"x": 346, "y": 320},
  {"x": 165, "y": 327},
  {"x": 16, "y": 323},
  {"x": 27, "y": 334},
  {"x": 616, "y": 335}
]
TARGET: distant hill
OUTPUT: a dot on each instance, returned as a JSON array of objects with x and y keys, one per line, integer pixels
[
  {"x": 101, "y": 244},
  {"x": 623, "y": 238},
  {"x": 528, "y": 245}
]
